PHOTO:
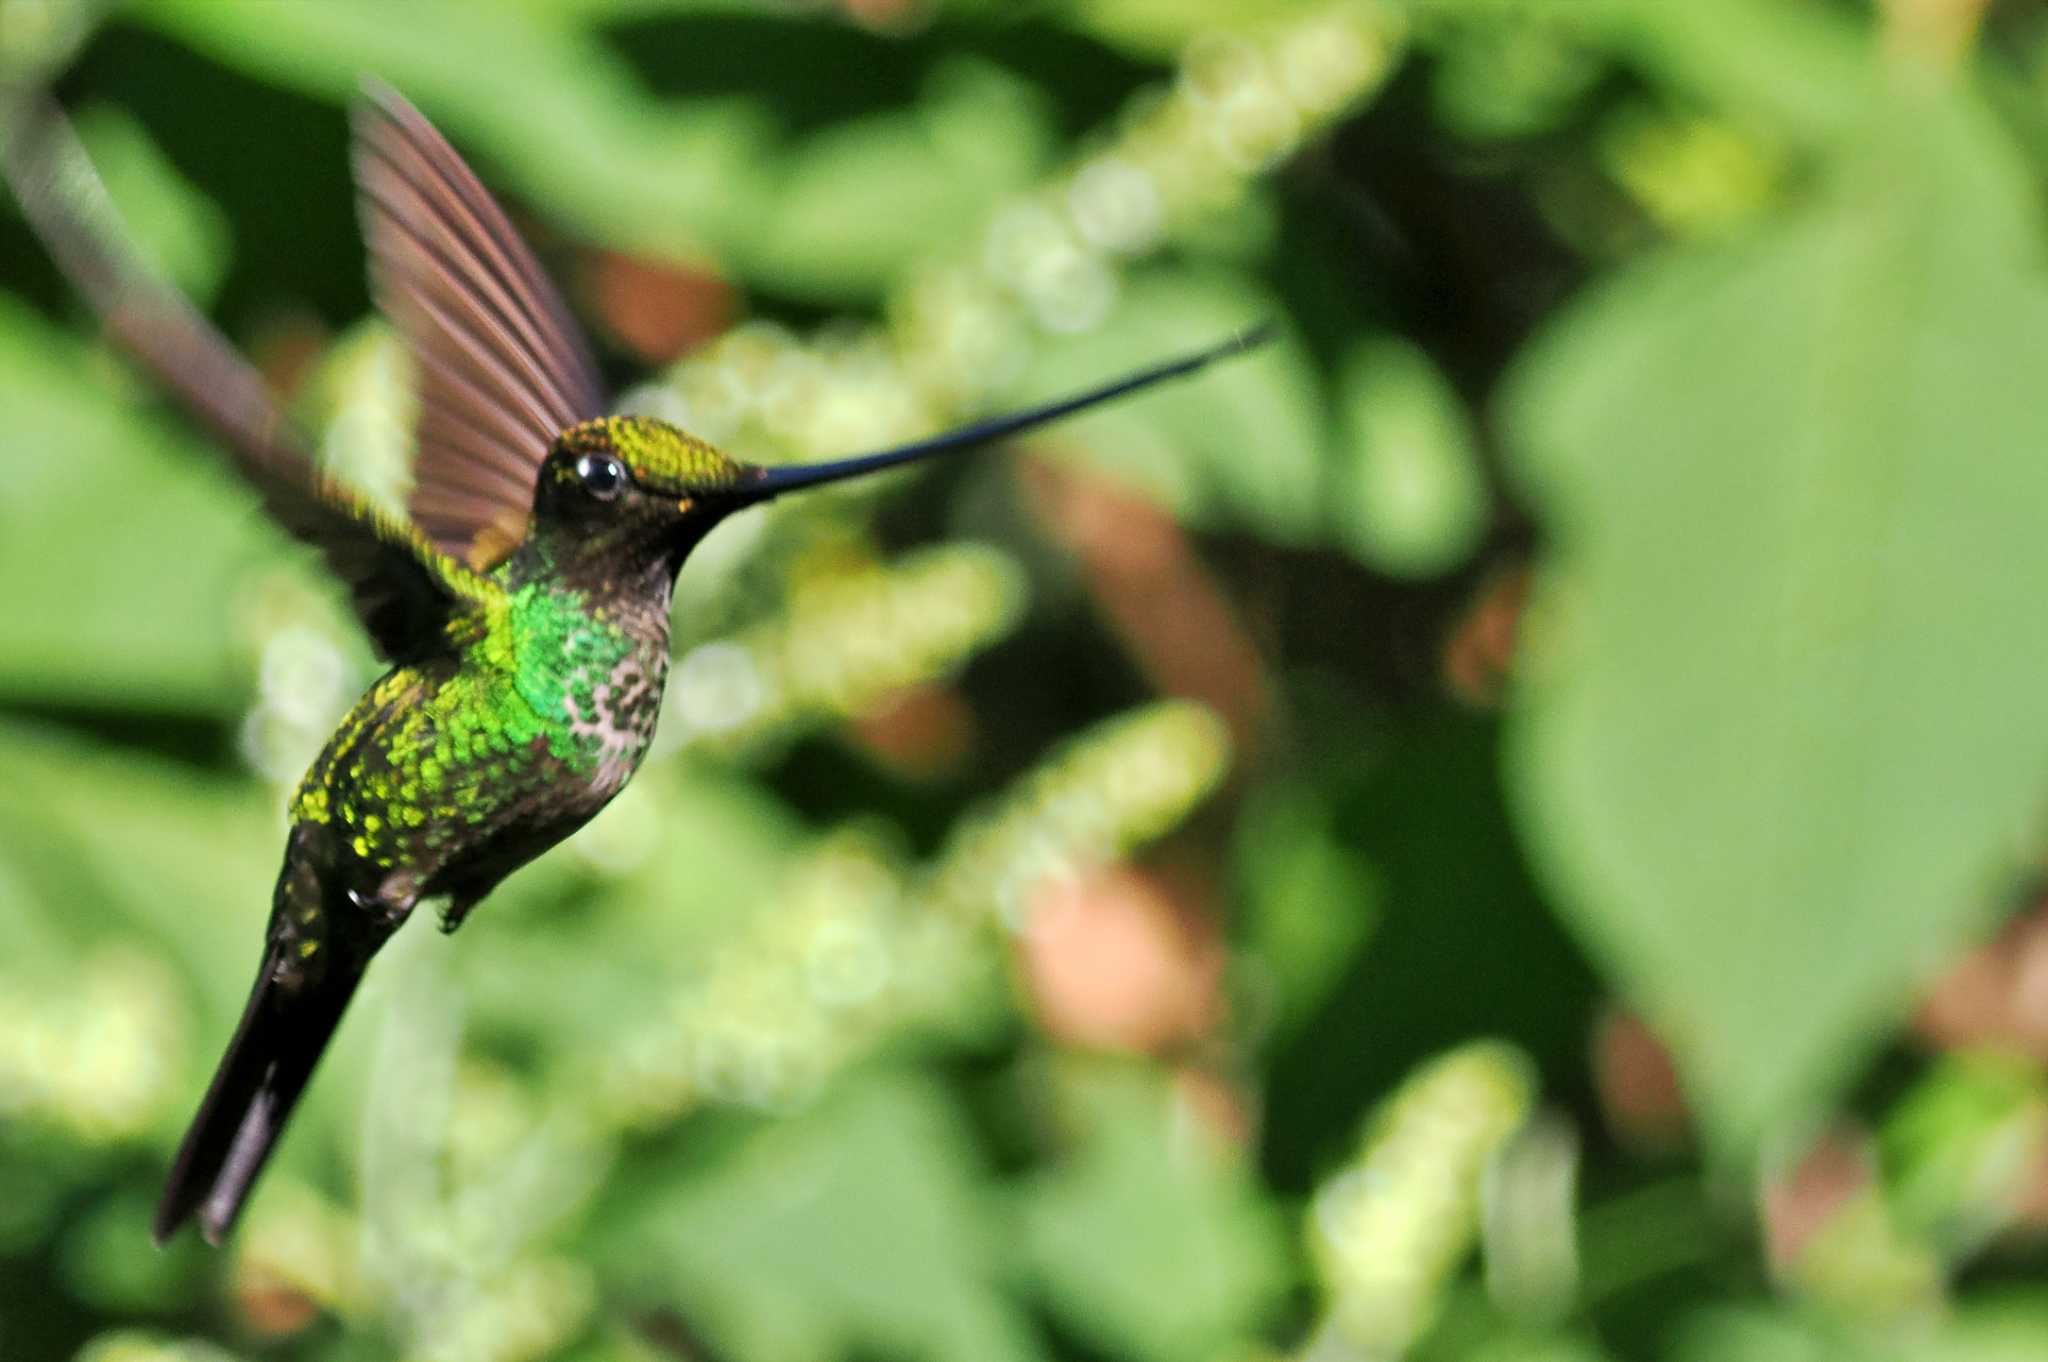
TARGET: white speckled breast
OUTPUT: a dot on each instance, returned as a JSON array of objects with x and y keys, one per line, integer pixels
[{"x": 617, "y": 725}]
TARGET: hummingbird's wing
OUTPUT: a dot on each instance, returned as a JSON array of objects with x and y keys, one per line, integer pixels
[
  {"x": 402, "y": 586},
  {"x": 502, "y": 367}
]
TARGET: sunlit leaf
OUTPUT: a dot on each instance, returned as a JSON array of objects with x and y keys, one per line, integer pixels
[
  {"x": 1787, "y": 711},
  {"x": 580, "y": 137},
  {"x": 158, "y": 849},
  {"x": 107, "y": 1263},
  {"x": 122, "y": 548},
  {"x": 1799, "y": 66},
  {"x": 135, "y": 1345},
  {"x": 1761, "y": 1336},
  {"x": 863, "y": 202},
  {"x": 106, "y": 846},
  {"x": 37, "y": 39},
  {"x": 2009, "y": 1326},
  {"x": 1310, "y": 902},
  {"x": 1509, "y": 76},
  {"x": 590, "y": 941},
  {"x": 858, "y": 1228},
  {"x": 1414, "y": 501},
  {"x": 1962, "y": 1149},
  {"x": 1147, "y": 1237}
]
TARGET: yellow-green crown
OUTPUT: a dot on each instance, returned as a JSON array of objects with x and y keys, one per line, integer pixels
[{"x": 656, "y": 454}]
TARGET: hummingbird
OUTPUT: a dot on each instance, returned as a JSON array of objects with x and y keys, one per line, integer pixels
[{"x": 521, "y": 603}]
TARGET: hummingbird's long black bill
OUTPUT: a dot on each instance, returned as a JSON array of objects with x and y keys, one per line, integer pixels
[{"x": 773, "y": 482}]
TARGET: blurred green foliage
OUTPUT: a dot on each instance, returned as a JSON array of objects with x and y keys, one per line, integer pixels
[{"x": 1460, "y": 836}]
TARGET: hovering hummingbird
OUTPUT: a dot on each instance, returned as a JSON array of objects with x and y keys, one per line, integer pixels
[{"x": 522, "y": 603}]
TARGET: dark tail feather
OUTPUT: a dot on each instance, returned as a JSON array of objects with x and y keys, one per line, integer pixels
[{"x": 282, "y": 1034}]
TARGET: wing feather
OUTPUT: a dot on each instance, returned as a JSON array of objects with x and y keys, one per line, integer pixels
[
  {"x": 502, "y": 368},
  {"x": 402, "y": 586}
]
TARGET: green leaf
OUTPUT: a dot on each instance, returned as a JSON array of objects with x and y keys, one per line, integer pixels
[
  {"x": 2008, "y": 1326},
  {"x": 116, "y": 863},
  {"x": 1801, "y": 67},
  {"x": 1762, "y": 1335},
  {"x": 1962, "y": 1149},
  {"x": 122, "y": 558},
  {"x": 640, "y": 899},
  {"x": 1512, "y": 76},
  {"x": 581, "y": 137},
  {"x": 865, "y": 201},
  {"x": 857, "y": 1228},
  {"x": 105, "y": 1262},
  {"x": 1510, "y": 1346},
  {"x": 1310, "y": 901},
  {"x": 134, "y": 1345},
  {"x": 38, "y": 40},
  {"x": 154, "y": 849},
  {"x": 1413, "y": 502},
  {"x": 1149, "y": 1239},
  {"x": 1786, "y": 717}
]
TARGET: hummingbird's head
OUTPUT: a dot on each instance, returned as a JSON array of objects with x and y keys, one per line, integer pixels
[
  {"x": 637, "y": 488},
  {"x": 621, "y": 493}
]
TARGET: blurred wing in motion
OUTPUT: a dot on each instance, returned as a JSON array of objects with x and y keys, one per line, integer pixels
[
  {"x": 402, "y": 586},
  {"x": 502, "y": 368}
]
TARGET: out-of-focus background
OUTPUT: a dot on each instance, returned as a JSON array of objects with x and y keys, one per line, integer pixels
[{"x": 1502, "y": 827}]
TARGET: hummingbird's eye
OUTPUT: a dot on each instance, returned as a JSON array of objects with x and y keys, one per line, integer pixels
[{"x": 602, "y": 477}]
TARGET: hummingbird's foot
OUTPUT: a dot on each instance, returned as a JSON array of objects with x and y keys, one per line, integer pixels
[{"x": 453, "y": 912}]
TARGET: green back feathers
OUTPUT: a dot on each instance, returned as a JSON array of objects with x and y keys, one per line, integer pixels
[{"x": 430, "y": 750}]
